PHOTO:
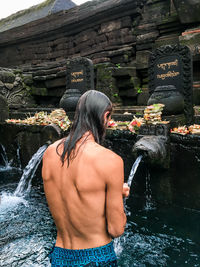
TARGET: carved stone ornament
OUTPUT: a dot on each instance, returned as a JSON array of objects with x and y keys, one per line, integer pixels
[
  {"x": 16, "y": 93},
  {"x": 172, "y": 65}
]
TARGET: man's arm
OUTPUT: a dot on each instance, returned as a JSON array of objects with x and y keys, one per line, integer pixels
[{"x": 115, "y": 215}]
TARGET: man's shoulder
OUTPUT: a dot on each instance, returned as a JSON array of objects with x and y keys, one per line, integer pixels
[
  {"x": 107, "y": 156},
  {"x": 52, "y": 149}
]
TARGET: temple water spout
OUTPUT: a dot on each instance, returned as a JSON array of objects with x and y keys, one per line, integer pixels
[{"x": 154, "y": 150}]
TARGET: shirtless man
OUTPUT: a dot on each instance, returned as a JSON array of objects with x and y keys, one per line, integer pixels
[{"x": 84, "y": 188}]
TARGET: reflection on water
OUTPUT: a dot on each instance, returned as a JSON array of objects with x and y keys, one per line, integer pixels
[{"x": 165, "y": 236}]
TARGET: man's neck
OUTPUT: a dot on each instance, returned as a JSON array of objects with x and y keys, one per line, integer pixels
[{"x": 87, "y": 137}]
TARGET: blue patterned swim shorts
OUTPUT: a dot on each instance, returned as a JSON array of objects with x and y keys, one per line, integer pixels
[{"x": 103, "y": 256}]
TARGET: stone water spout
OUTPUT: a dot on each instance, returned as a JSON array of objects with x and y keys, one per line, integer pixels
[{"x": 154, "y": 150}]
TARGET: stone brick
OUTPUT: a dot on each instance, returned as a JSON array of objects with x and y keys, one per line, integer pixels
[
  {"x": 143, "y": 38},
  {"x": 101, "y": 38},
  {"x": 143, "y": 97},
  {"x": 58, "y": 82},
  {"x": 129, "y": 92},
  {"x": 142, "y": 59},
  {"x": 145, "y": 28},
  {"x": 7, "y": 76},
  {"x": 110, "y": 26},
  {"x": 85, "y": 36},
  {"x": 126, "y": 22}
]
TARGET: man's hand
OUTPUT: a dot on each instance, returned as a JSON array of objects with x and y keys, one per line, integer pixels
[{"x": 126, "y": 190}]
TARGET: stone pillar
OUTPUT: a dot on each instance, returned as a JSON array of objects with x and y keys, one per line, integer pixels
[
  {"x": 170, "y": 67},
  {"x": 80, "y": 78}
]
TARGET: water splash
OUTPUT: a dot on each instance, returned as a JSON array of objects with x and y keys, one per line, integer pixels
[
  {"x": 24, "y": 185},
  {"x": 149, "y": 205},
  {"x": 133, "y": 170},
  {"x": 6, "y": 164},
  {"x": 8, "y": 202},
  {"x": 18, "y": 158}
]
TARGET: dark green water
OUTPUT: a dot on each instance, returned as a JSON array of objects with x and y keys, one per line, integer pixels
[{"x": 166, "y": 234}]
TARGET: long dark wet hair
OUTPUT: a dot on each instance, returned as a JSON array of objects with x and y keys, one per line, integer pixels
[{"x": 89, "y": 117}]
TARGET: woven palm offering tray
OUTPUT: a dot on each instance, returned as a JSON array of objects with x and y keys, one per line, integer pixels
[
  {"x": 57, "y": 116},
  {"x": 194, "y": 129},
  {"x": 183, "y": 130}
]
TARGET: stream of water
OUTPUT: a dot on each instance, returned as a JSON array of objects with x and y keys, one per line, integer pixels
[
  {"x": 133, "y": 170},
  {"x": 24, "y": 185}
]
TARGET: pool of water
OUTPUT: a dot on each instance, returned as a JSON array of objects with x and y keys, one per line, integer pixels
[{"x": 156, "y": 235}]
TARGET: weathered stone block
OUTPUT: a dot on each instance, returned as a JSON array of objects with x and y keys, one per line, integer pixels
[
  {"x": 7, "y": 76},
  {"x": 196, "y": 93},
  {"x": 130, "y": 92},
  {"x": 124, "y": 71},
  {"x": 143, "y": 97},
  {"x": 39, "y": 91},
  {"x": 126, "y": 22},
  {"x": 145, "y": 28},
  {"x": 1, "y": 85},
  {"x": 106, "y": 83},
  {"x": 57, "y": 92},
  {"x": 55, "y": 82},
  {"x": 147, "y": 37},
  {"x": 39, "y": 78},
  {"x": 101, "y": 38},
  {"x": 142, "y": 59},
  {"x": 110, "y": 26},
  {"x": 191, "y": 38},
  {"x": 188, "y": 10},
  {"x": 61, "y": 73},
  {"x": 27, "y": 79},
  {"x": 9, "y": 86},
  {"x": 126, "y": 39},
  {"x": 144, "y": 46},
  {"x": 4, "y": 111},
  {"x": 117, "y": 59},
  {"x": 168, "y": 40},
  {"x": 85, "y": 36},
  {"x": 154, "y": 11}
]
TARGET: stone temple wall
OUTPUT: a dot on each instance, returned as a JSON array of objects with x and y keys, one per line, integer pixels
[{"x": 117, "y": 35}]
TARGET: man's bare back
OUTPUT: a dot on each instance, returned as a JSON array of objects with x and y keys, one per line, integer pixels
[{"x": 86, "y": 198}]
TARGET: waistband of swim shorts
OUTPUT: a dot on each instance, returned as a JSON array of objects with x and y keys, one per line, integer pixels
[{"x": 77, "y": 257}]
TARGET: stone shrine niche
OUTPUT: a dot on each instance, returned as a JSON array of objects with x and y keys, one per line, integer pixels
[
  {"x": 170, "y": 80},
  {"x": 79, "y": 79}
]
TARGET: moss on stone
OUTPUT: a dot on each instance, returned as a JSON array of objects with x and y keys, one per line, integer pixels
[
  {"x": 106, "y": 82},
  {"x": 7, "y": 76},
  {"x": 27, "y": 79},
  {"x": 25, "y": 12},
  {"x": 17, "y": 71},
  {"x": 38, "y": 91}
]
